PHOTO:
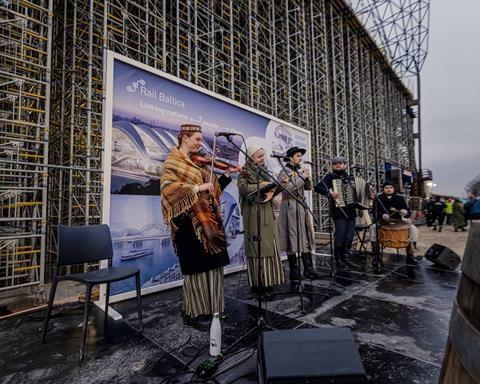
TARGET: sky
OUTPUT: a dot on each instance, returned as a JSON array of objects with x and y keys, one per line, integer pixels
[{"x": 450, "y": 94}]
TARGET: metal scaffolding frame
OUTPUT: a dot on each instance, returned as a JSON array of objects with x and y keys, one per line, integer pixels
[
  {"x": 311, "y": 63},
  {"x": 25, "y": 47}
]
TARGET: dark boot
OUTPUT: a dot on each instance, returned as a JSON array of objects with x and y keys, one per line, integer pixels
[
  {"x": 294, "y": 268},
  {"x": 339, "y": 257},
  {"x": 201, "y": 322},
  {"x": 439, "y": 229},
  {"x": 434, "y": 227},
  {"x": 410, "y": 259},
  {"x": 308, "y": 271},
  {"x": 377, "y": 262},
  {"x": 347, "y": 257}
]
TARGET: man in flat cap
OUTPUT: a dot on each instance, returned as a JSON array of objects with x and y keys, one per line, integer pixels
[{"x": 343, "y": 217}]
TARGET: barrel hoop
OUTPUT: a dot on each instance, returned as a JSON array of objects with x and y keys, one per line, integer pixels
[{"x": 466, "y": 341}]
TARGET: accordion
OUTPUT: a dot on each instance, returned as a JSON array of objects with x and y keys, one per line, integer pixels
[{"x": 355, "y": 192}]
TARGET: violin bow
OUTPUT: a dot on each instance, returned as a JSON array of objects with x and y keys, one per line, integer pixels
[{"x": 213, "y": 156}]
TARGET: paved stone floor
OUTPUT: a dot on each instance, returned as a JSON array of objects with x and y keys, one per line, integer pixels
[{"x": 399, "y": 320}]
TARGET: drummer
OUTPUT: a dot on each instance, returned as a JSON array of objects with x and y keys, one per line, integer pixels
[{"x": 391, "y": 207}]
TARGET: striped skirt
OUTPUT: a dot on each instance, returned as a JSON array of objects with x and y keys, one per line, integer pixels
[
  {"x": 203, "y": 293},
  {"x": 271, "y": 271}
]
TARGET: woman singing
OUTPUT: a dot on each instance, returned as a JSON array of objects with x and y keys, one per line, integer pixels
[
  {"x": 191, "y": 207},
  {"x": 271, "y": 269}
]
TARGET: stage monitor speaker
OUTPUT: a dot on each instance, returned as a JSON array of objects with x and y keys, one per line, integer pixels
[
  {"x": 443, "y": 256},
  {"x": 313, "y": 356}
]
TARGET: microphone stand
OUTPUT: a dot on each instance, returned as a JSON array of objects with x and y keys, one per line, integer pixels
[
  {"x": 300, "y": 289},
  {"x": 331, "y": 201}
]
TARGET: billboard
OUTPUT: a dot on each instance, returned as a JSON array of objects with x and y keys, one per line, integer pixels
[{"x": 143, "y": 111}]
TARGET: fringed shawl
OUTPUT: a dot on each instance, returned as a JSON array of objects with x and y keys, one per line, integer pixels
[{"x": 179, "y": 177}]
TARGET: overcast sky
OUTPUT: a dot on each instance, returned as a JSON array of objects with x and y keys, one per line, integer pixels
[{"x": 451, "y": 95}]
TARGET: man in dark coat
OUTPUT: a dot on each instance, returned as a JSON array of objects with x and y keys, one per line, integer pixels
[
  {"x": 389, "y": 206},
  {"x": 343, "y": 217},
  {"x": 428, "y": 211},
  {"x": 438, "y": 211}
]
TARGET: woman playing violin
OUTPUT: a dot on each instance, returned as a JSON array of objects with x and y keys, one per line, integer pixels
[{"x": 191, "y": 207}]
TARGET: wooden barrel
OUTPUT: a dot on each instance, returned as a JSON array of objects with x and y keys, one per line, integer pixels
[{"x": 461, "y": 363}]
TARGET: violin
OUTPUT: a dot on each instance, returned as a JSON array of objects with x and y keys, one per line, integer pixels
[{"x": 204, "y": 159}]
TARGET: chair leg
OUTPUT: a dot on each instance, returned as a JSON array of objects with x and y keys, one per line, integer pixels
[
  {"x": 107, "y": 296},
  {"x": 139, "y": 301},
  {"x": 88, "y": 294},
  {"x": 53, "y": 289}
]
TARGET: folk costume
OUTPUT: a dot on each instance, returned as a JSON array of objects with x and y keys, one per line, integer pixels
[
  {"x": 271, "y": 269},
  {"x": 294, "y": 241},
  {"x": 343, "y": 218},
  {"x": 197, "y": 232}
]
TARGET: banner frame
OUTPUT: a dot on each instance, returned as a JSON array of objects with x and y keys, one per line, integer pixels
[{"x": 109, "y": 61}]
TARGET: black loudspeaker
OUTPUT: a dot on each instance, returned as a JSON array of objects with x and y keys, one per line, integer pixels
[
  {"x": 313, "y": 356},
  {"x": 443, "y": 256}
]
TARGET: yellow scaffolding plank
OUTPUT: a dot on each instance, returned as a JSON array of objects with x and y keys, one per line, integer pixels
[
  {"x": 21, "y": 204},
  {"x": 115, "y": 17},
  {"x": 33, "y": 6},
  {"x": 24, "y": 107},
  {"x": 36, "y": 95},
  {"x": 32, "y": 156},
  {"x": 20, "y": 261},
  {"x": 26, "y": 268},
  {"x": 114, "y": 29},
  {"x": 28, "y": 252}
]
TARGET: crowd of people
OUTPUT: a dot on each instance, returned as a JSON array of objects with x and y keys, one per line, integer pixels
[{"x": 451, "y": 211}]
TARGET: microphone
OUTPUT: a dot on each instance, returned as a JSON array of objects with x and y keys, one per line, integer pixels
[
  {"x": 226, "y": 134},
  {"x": 308, "y": 162},
  {"x": 277, "y": 156}
]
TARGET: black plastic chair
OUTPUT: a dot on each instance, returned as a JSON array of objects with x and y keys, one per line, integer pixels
[{"x": 85, "y": 244}]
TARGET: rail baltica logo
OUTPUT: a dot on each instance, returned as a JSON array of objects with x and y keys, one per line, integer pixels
[{"x": 134, "y": 86}]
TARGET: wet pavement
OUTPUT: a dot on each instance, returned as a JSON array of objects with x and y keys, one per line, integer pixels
[{"x": 399, "y": 320}]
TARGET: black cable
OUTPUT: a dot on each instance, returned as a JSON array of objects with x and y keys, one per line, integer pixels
[
  {"x": 236, "y": 363},
  {"x": 185, "y": 366}
]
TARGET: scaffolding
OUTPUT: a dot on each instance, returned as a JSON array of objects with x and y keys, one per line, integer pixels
[
  {"x": 25, "y": 46},
  {"x": 311, "y": 63}
]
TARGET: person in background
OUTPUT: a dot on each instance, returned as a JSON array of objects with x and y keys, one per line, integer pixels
[
  {"x": 438, "y": 211},
  {"x": 458, "y": 216},
  {"x": 449, "y": 210},
  {"x": 428, "y": 211},
  {"x": 472, "y": 208}
]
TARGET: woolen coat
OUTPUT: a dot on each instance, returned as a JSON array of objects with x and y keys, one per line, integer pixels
[
  {"x": 247, "y": 184},
  {"x": 458, "y": 218},
  {"x": 289, "y": 237}
]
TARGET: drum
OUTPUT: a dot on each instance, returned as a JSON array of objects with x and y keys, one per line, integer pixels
[{"x": 394, "y": 235}]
